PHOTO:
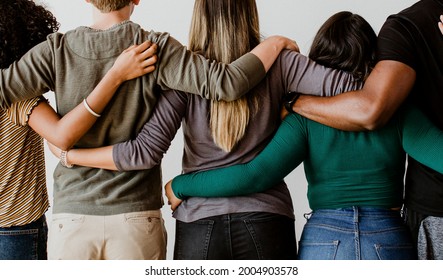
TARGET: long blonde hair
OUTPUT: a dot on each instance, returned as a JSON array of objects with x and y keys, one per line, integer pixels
[{"x": 224, "y": 30}]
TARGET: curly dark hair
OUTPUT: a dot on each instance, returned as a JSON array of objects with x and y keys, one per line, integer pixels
[{"x": 23, "y": 24}]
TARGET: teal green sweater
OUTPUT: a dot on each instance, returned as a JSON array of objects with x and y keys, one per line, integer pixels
[{"x": 342, "y": 168}]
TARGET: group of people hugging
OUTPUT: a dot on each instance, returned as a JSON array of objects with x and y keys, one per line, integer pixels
[{"x": 361, "y": 112}]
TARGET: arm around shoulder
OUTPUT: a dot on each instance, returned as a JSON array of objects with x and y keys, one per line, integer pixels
[
  {"x": 65, "y": 131},
  {"x": 186, "y": 71},
  {"x": 385, "y": 89}
]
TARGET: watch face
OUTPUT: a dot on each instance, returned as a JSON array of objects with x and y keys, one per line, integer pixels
[
  {"x": 289, "y": 99},
  {"x": 289, "y": 96}
]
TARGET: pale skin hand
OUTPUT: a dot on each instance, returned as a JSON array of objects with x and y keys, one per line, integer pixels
[
  {"x": 440, "y": 24},
  {"x": 172, "y": 199},
  {"x": 268, "y": 50},
  {"x": 64, "y": 132}
]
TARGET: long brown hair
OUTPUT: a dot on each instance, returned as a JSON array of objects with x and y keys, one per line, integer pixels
[{"x": 224, "y": 30}]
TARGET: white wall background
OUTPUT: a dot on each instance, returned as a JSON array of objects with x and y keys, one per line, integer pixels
[{"x": 297, "y": 19}]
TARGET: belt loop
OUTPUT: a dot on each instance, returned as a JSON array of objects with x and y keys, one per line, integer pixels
[{"x": 307, "y": 216}]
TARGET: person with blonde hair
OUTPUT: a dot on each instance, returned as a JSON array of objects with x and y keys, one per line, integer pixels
[
  {"x": 101, "y": 214},
  {"x": 216, "y": 134}
]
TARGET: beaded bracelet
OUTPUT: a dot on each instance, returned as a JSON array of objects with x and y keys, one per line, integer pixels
[{"x": 64, "y": 159}]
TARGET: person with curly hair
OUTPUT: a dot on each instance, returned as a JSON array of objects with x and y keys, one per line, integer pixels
[{"x": 23, "y": 194}]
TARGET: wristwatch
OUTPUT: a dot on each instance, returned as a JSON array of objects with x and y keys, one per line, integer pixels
[{"x": 289, "y": 100}]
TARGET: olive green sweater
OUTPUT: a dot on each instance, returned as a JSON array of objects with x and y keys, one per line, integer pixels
[{"x": 72, "y": 64}]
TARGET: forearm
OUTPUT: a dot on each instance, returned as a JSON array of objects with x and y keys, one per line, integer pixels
[
  {"x": 97, "y": 158},
  {"x": 78, "y": 121},
  {"x": 66, "y": 131},
  {"x": 345, "y": 111},
  {"x": 285, "y": 152},
  {"x": 422, "y": 140},
  {"x": 366, "y": 109}
]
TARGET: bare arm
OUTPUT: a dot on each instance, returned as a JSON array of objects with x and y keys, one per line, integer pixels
[
  {"x": 65, "y": 132},
  {"x": 147, "y": 149},
  {"x": 386, "y": 88},
  {"x": 95, "y": 157}
]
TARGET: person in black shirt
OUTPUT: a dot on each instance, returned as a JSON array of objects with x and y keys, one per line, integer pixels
[{"x": 409, "y": 68}]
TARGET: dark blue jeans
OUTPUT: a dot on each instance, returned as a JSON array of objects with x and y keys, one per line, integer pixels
[
  {"x": 26, "y": 242},
  {"x": 246, "y": 236},
  {"x": 356, "y": 233}
]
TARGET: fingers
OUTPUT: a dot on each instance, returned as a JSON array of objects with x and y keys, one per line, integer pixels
[
  {"x": 142, "y": 51},
  {"x": 145, "y": 49},
  {"x": 440, "y": 24},
  {"x": 148, "y": 64},
  {"x": 296, "y": 48},
  {"x": 149, "y": 51},
  {"x": 149, "y": 61},
  {"x": 147, "y": 56},
  {"x": 140, "y": 48}
]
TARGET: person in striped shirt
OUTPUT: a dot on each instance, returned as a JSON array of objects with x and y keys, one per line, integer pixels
[{"x": 23, "y": 194}]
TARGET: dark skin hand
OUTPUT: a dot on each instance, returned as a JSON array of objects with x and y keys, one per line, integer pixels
[{"x": 385, "y": 89}]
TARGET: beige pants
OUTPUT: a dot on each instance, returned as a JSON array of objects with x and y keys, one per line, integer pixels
[{"x": 130, "y": 236}]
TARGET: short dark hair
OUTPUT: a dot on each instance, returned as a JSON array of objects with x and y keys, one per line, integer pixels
[
  {"x": 346, "y": 41},
  {"x": 23, "y": 24}
]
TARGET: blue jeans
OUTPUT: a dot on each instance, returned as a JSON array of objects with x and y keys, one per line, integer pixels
[
  {"x": 247, "y": 236},
  {"x": 26, "y": 242},
  {"x": 356, "y": 233}
]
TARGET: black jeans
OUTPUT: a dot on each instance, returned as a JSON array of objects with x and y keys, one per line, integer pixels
[{"x": 247, "y": 236}]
